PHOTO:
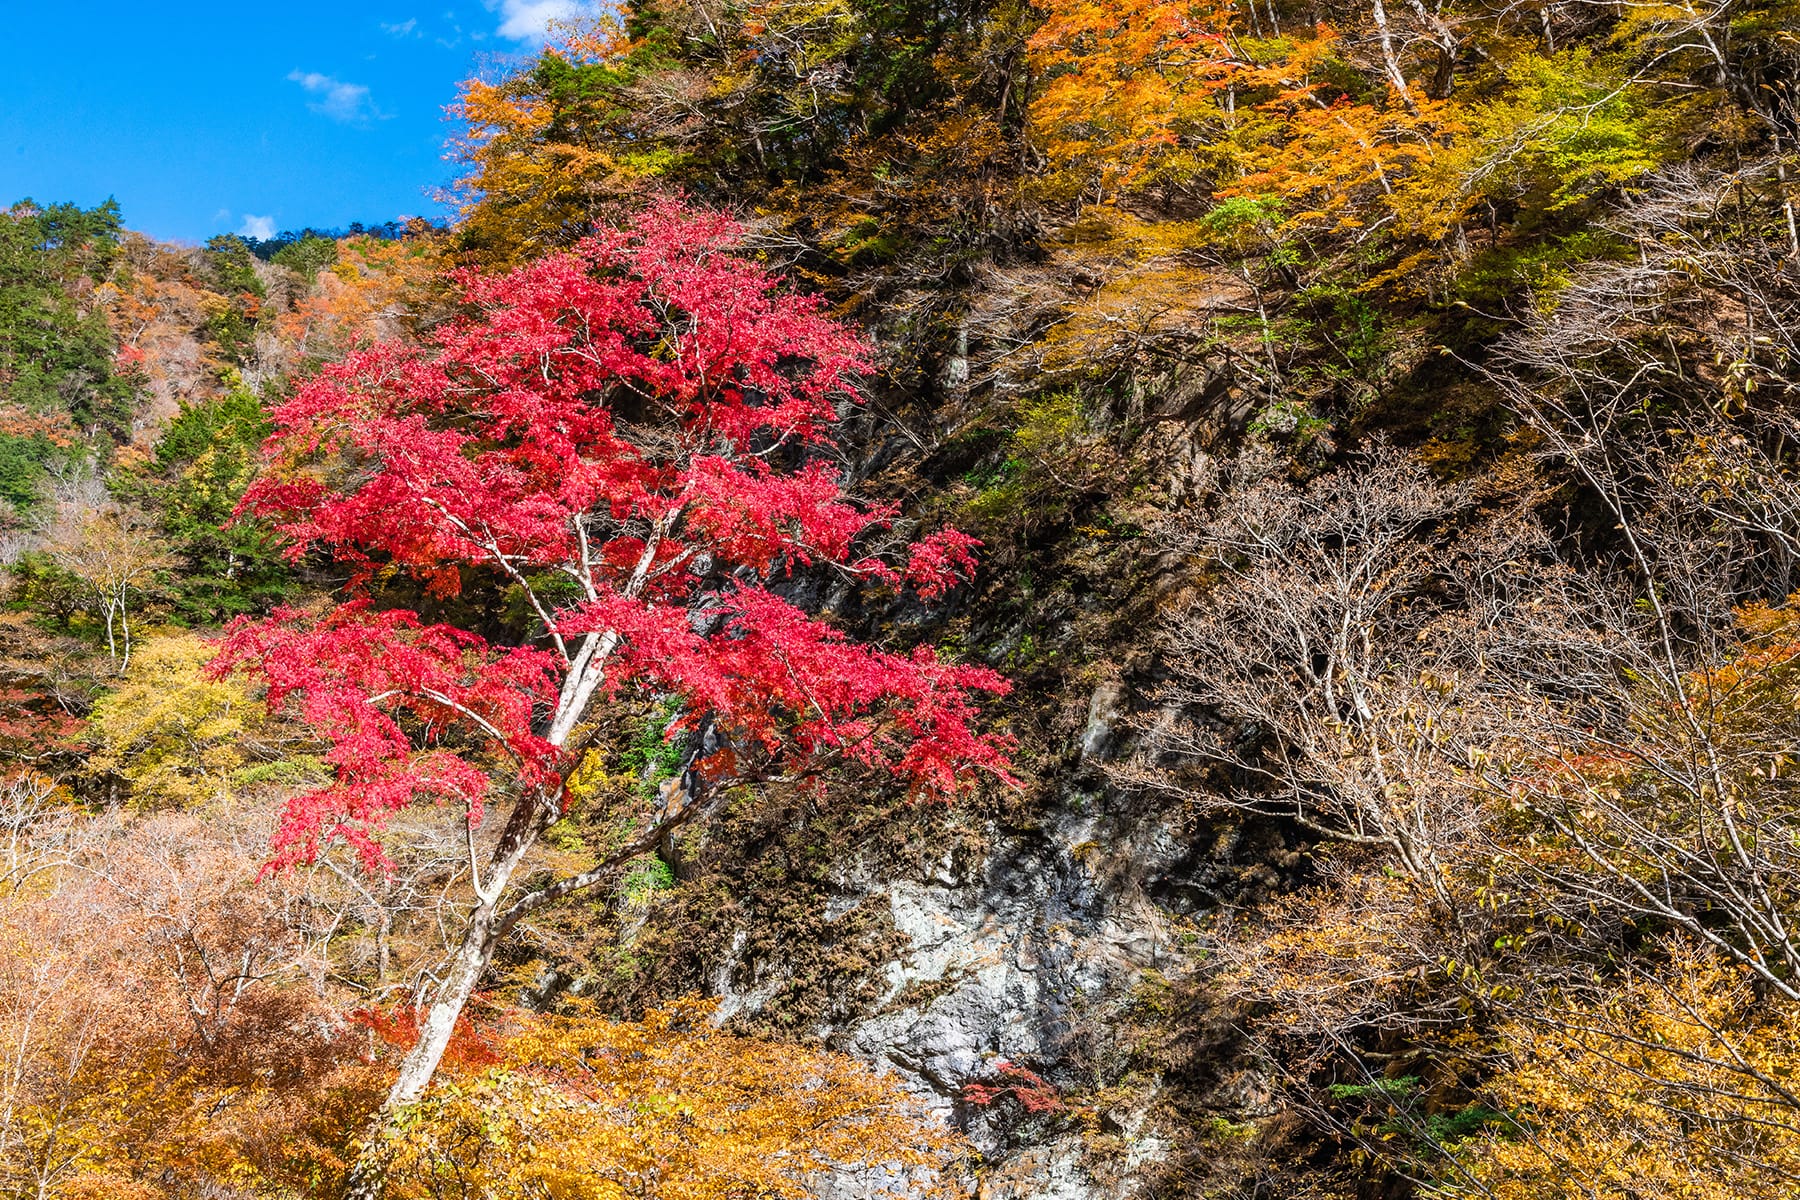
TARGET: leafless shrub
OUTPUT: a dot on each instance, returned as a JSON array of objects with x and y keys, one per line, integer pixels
[
  {"x": 1335, "y": 655},
  {"x": 1664, "y": 389}
]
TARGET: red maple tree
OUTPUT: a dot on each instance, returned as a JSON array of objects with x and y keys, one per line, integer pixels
[{"x": 635, "y": 435}]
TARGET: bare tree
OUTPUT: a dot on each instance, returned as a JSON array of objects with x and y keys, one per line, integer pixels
[
  {"x": 1663, "y": 388},
  {"x": 1322, "y": 669},
  {"x": 116, "y": 555}
]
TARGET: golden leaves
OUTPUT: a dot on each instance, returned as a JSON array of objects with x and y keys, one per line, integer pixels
[
  {"x": 583, "y": 1108},
  {"x": 1672, "y": 1088},
  {"x": 178, "y": 736}
]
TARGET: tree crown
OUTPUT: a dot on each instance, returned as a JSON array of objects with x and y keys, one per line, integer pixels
[{"x": 634, "y": 434}]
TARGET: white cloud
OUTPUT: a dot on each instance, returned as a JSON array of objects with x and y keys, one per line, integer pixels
[
  {"x": 401, "y": 29},
  {"x": 260, "y": 228},
  {"x": 336, "y": 99},
  {"x": 529, "y": 20}
]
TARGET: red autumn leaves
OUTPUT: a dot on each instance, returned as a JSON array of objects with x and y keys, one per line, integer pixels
[{"x": 646, "y": 420}]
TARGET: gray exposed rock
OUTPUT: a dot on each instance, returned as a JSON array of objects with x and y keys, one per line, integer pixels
[
  {"x": 1102, "y": 721},
  {"x": 1052, "y": 1171},
  {"x": 1020, "y": 960}
]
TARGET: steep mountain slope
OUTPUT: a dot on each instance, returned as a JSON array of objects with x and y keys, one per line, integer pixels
[{"x": 1380, "y": 425}]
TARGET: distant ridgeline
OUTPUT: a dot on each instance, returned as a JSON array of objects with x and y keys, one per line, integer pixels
[{"x": 268, "y": 249}]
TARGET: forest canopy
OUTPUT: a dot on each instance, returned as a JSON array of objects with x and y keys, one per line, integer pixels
[{"x": 1160, "y": 598}]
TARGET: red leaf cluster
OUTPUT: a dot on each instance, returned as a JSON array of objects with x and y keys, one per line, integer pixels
[
  {"x": 411, "y": 712},
  {"x": 784, "y": 679},
  {"x": 539, "y": 409},
  {"x": 471, "y": 1043},
  {"x": 1034, "y": 1093},
  {"x": 647, "y": 419}
]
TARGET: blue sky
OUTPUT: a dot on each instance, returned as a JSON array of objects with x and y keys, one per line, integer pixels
[{"x": 206, "y": 118}]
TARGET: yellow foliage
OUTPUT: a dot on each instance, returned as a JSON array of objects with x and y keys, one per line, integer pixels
[
  {"x": 1674, "y": 1087},
  {"x": 163, "y": 1033},
  {"x": 583, "y": 1108},
  {"x": 176, "y": 735},
  {"x": 1138, "y": 309},
  {"x": 541, "y": 154}
]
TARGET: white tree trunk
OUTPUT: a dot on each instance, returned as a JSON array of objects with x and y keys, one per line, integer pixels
[
  {"x": 125, "y": 632},
  {"x": 481, "y": 935},
  {"x": 486, "y": 926}
]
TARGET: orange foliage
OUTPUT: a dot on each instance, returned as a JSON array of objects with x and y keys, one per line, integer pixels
[
  {"x": 53, "y": 427},
  {"x": 366, "y": 296},
  {"x": 1176, "y": 94},
  {"x": 157, "y": 1014},
  {"x": 582, "y": 1107},
  {"x": 1127, "y": 83}
]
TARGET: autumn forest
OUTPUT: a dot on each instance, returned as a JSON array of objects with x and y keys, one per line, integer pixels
[{"x": 1064, "y": 599}]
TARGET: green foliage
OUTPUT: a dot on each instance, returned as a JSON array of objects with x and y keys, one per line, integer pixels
[
  {"x": 644, "y": 878},
  {"x": 232, "y": 314},
  {"x": 22, "y": 462},
  {"x": 1539, "y": 266},
  {"x": 292, "y": 772},
  {"x": 1404, "y": 1085},
  {"x": 1294, "y": 421},
  {"x": 550, "y": 587},
  {"x": 1033, "y": 482},
  {"x": 1351, "y": 329},
  {"x": 652, "y": 758},
  {"x": 1571, "y": 126},
  {"x": 307, "y": 257},
  {"x": 201, "y": 467},
  {"x": 56, "y": 352},
  {"x": 582, "y": 97},
  {"x": 1243, "y": 223},
  {"x": 231, "y": 267},
  {"x": 53, "y": 597},
  {"x": 1449, "y": 1128}
]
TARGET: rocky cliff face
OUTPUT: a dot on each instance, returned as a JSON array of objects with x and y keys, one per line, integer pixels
[
  {"x": 1049, "y": 949},
  {"x": 1063, "y": 930}
]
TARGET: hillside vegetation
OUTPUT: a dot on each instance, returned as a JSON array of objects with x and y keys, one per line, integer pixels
[{"x": 493, "y": 667}]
